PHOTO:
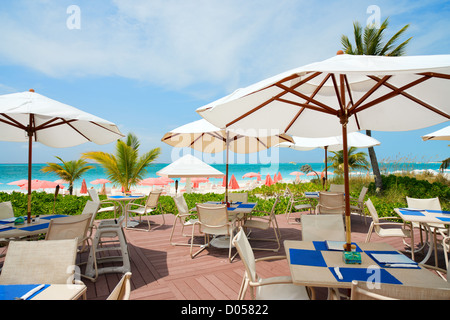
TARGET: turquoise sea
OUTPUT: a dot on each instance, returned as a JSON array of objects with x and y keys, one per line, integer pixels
[{"x": 13, "y": 172}]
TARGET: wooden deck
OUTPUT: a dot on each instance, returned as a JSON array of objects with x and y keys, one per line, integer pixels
[{"x": 165, "y": 272}]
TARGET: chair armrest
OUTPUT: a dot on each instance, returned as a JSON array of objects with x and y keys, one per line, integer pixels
[
  {"x": 271, "y": 281},
  {"x": 271, "y": 258}
]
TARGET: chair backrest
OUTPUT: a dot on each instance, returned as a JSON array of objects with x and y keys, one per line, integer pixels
[
  {"x": 94, "y": 195},
  {"x": 181, "y": 204},
  {"x": 331, "y": 202},
  {"x": 236, "y": 197},
  {"x": 211, "y": 215},
  {"x": 6, "y": 210},
  {"x": 245, "y": 251},
  {"x": 72, "y": 227},
  {"x": 153, "y": 198},
  {"x": 122, "y": 290},
  {"x": 337, "y": 188},
  {"x": 40, "y": 262},
  {"x": 272, "y": 212},
  {"x": 362, "y": 194},
  {"x": 385, "y": 291},
  {"x": 322, "y": 227},
  {"x": 373, "y": 212},
  {"x": 430, "y": 203},
  {"x": 91, "y": 207}
]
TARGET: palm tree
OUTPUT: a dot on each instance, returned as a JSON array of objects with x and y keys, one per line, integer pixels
[
  {"x": 125, "y": 167},
  {"x": 69, "y": 170},
  {"x": 356, "y": 160},
  {"x": 370, "y": 42}
]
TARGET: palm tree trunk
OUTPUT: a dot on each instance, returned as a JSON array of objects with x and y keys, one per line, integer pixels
[{"x": 375, "y": 167}]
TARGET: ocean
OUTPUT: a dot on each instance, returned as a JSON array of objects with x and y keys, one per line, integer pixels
[{"x": 14, "y": 172}]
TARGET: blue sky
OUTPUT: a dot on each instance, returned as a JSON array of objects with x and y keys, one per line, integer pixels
[{"x": 147, "y": 65}]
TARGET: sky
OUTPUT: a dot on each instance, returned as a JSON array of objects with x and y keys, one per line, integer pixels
[{"x": 147, "y": 65}]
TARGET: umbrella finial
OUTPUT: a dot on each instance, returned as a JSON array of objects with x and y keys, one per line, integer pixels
[
  {"x": 339, "y": 52},
  {"x": 31, "y": 90}
]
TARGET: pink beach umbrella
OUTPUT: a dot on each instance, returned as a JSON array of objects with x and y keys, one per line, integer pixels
[
  {"x": 39, "y": 184},
  {"x": 83, "y": 189},
  {"x": 275, "y": 178},
  {"x": 233, "y": 183},
  {"x": 268, "y": 181},
  {"x": 252, "y": 175},
  {"x": 297, "y": 174},
  {"x": 153, "y": 182},
  {"x": 18, "y": 182},
  {"x": 279, "y": 176},
  {"x": 100, "y": 181}
]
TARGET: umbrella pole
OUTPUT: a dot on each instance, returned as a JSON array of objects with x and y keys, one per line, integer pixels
[
  {"x": 30, "y": 157},
  {"x": 226, "y": 172}
]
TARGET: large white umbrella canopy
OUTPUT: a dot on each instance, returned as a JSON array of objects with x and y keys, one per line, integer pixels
[
  {"x": 203, "y": 136},
  {"x": 442, "y": 134},
  {"x": 31, "y": 117},
  {"x": 335, "y": 143},
  {"x": 345, "y": 93}
]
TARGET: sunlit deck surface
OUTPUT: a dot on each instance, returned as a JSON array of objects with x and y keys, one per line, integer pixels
[{"x": 162, "y": 271}]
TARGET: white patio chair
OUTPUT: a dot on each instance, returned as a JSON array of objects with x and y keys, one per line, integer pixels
[
  {"x": 184, "y": 216},
  {"x": 151, "y": 203},
  {"x": 300, "y": 204},
  {"x": 276, "y": 288},
  {"x": 357, "y": 205},
  {"x": 109, "y": 208},
  {"x": 238, "y": 197},
  {"x": 213, "y": 220},
  {"x": 384, "y": 291},
  {"x": 264, "y": 223},
  {"x": 6, "y": 210},
  {"x": 122, "y": 289},
  {"x": 323, "y": 227},
  {"x": 378, "y": 225},
  {"x": 336, "y": 188},
  {"x": 331, "y": 202},
  {"x": 40, "y": 262}
]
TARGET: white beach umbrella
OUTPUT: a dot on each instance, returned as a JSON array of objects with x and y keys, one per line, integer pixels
[
  {"x": 203, "y": 136},
  {"x": 31, "y": 117},
  {"x": 189, "y": 167},
  {"x": 442, "y": 134},
  {"x": 345, "y": 93}
]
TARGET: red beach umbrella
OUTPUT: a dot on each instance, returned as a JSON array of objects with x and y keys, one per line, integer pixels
[
  {"x": 279, "y": 176},
  {"x": 275, "y": 178},
  {"x": 83, "y": 189},
  {"x": 268, "y": 181},
  {"x": 233, "y": 183}
]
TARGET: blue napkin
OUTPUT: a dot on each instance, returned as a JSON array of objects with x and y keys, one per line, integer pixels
[
  {"x": 35, "y": 227},
  {"x": 307, "y": 257},
  {"x": 246, "y": 205},
  {"x": 11, "y": 291},
  {"x": 6, "y": 229},
  {"x": 230, "y": 209},
  {"x": 411, "y": 212},
  {"x": 363, "y": 274},
  {"x": 322, "y": 246}
]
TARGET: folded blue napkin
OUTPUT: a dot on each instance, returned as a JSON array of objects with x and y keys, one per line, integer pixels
[
  {"x": 364, "y": 274},
  {"x": 307, "y": 257},
  {"x": 12, "y": 291}
]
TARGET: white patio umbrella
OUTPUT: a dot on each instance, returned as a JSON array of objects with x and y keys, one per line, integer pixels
[
  {"x": 29, "y": 116},
  {"x": 342, "y": 94},
  {"x": 189, "y": 167},
  {"x": 335, "y": 143},
  {"x": 442, "y": 134},
  {"x": 203, "y": 136}
]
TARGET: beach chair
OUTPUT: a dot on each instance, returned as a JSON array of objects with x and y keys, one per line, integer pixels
[
  {"x": 336, "y": 188},
  {"x": 184, "y": 216},
  {"x": 6, "y": 210},
  {"x": 151, "y": 203},
  {"x": 331, "y": 202},
  {"x": 122, "y": 289},
  {"x": 357, "y": 205},
  {"x": 94, "y": 197},
  {"x": 323, "y": 227}
]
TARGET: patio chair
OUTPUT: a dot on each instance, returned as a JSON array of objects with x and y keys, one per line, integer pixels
[
  {"x": 213, "y": 220},
  {"x": 323, "y": 227},
  {"x": 336, "y": 188},
  {"x": 40, "y": 262},
  {"x": 276, "y": 288},
  {"x": 184, "y": 216},
  {"x": 331, "y": 202},
  {"x": 357, "y": 205},
  {"x": 94, "y": 196},
  {"x": 122, "y": 290},
  {"x": 384, "y": 291},
  {"x": 73, "y": 227},
  {"x": 151, "y": 203},
  {"x": 298, "y": 203},
  {"x": 264, "y": 223},
  {"x": 6, "y": 210},
  {"x": 238, "y": 197},
  {"x": 378, "y": 225}
]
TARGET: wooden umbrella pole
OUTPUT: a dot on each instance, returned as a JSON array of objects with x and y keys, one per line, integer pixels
[
  {"x": 226, "y": 173},
  {"x": 30, "y": 157}
]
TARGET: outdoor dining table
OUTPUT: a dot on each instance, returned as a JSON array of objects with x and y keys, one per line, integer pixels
[
  {"x": 425, "y": 218},
  {"x": 313, "y": 264},
  {"x": 9, "y": 231},
  {"x": 123, "y": 201},
  {"x": 42, "y": 292}
]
